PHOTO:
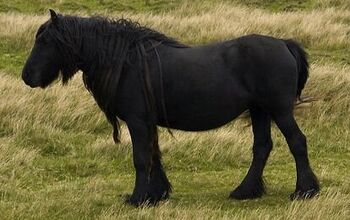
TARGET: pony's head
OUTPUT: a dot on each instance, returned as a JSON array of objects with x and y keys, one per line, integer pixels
[{"x": 45, "y": 61}]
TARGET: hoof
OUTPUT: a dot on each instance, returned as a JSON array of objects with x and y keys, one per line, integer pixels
[
  {"x": 250, "y": 188},
  {"x": 137, "y": 202},
  {"x": 244, "y": 192},
  {"x": 144, "y": 200},
  {"x": 158, "y": 189},
  {"x": 306, "y": 187},
  {"x": 311, "y": 193}
]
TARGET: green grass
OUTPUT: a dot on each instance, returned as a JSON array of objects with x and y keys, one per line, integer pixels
[
  {"x": 35, "y": 6},
  {"x": 58, "y": 160},
  {"x": 12, "y": 56},
  {"x": 280, "y": 5}
]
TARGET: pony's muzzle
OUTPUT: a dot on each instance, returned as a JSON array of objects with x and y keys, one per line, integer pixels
[{"x": 27, "y": 80}]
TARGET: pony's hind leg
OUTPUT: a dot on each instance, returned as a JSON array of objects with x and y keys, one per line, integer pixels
[
  {"x": 307, "y": 184},
  {"x": 252, "y": 185}
]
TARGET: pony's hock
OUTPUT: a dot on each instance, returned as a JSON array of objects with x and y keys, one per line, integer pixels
[{"x": 148, "y": 79}]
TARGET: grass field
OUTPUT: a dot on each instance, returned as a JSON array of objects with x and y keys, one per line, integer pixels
[{"x": 57, "y": 157}]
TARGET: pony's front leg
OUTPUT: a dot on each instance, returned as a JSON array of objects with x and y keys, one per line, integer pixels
[
  {"x": 151, "y": 184},
  {"x": 141, "y": 137}
]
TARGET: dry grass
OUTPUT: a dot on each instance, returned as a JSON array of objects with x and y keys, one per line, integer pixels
[{"x": 192, "y": 24}]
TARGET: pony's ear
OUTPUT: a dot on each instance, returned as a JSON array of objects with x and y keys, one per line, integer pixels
[{"x": 53, "y": 16}]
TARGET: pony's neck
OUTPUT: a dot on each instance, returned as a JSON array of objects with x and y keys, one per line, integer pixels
[{"x": 95, "y": 50}]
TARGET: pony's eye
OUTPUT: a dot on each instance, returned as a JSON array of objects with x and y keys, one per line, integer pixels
[
  {"x": 40, "y": 31},
  {"x": 42, "y": 39}
]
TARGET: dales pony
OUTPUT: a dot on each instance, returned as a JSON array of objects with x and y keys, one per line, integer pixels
[{"x": 147, "y": 79}]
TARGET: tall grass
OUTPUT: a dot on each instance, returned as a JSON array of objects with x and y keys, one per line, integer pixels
[{"x": 325, "y": 28}]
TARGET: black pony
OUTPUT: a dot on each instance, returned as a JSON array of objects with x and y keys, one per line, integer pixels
[{"x": 147, "y": 79}]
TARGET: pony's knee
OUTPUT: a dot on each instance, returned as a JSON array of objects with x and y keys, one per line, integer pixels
[{"x": 262, "y": 148}]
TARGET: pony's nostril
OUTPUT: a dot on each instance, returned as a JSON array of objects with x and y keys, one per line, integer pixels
[
  {"x": 24, "y": 75},
  {"x": 26, "y": 78}
]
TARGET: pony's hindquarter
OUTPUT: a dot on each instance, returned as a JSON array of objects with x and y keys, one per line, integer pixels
[{"x": 279, "y": 107}]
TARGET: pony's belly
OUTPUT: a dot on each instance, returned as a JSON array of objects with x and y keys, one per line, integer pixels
[
  {"x": 201, "y": 121},
  {"x": 198, "y": 125}
]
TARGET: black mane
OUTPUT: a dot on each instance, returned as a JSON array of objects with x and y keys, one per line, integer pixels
[
  {"x": 106, "y": 40},
  {"x": 103, "y": 48}
]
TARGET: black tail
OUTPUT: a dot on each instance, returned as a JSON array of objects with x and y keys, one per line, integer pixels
[{"x": 303, "y": 66}]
